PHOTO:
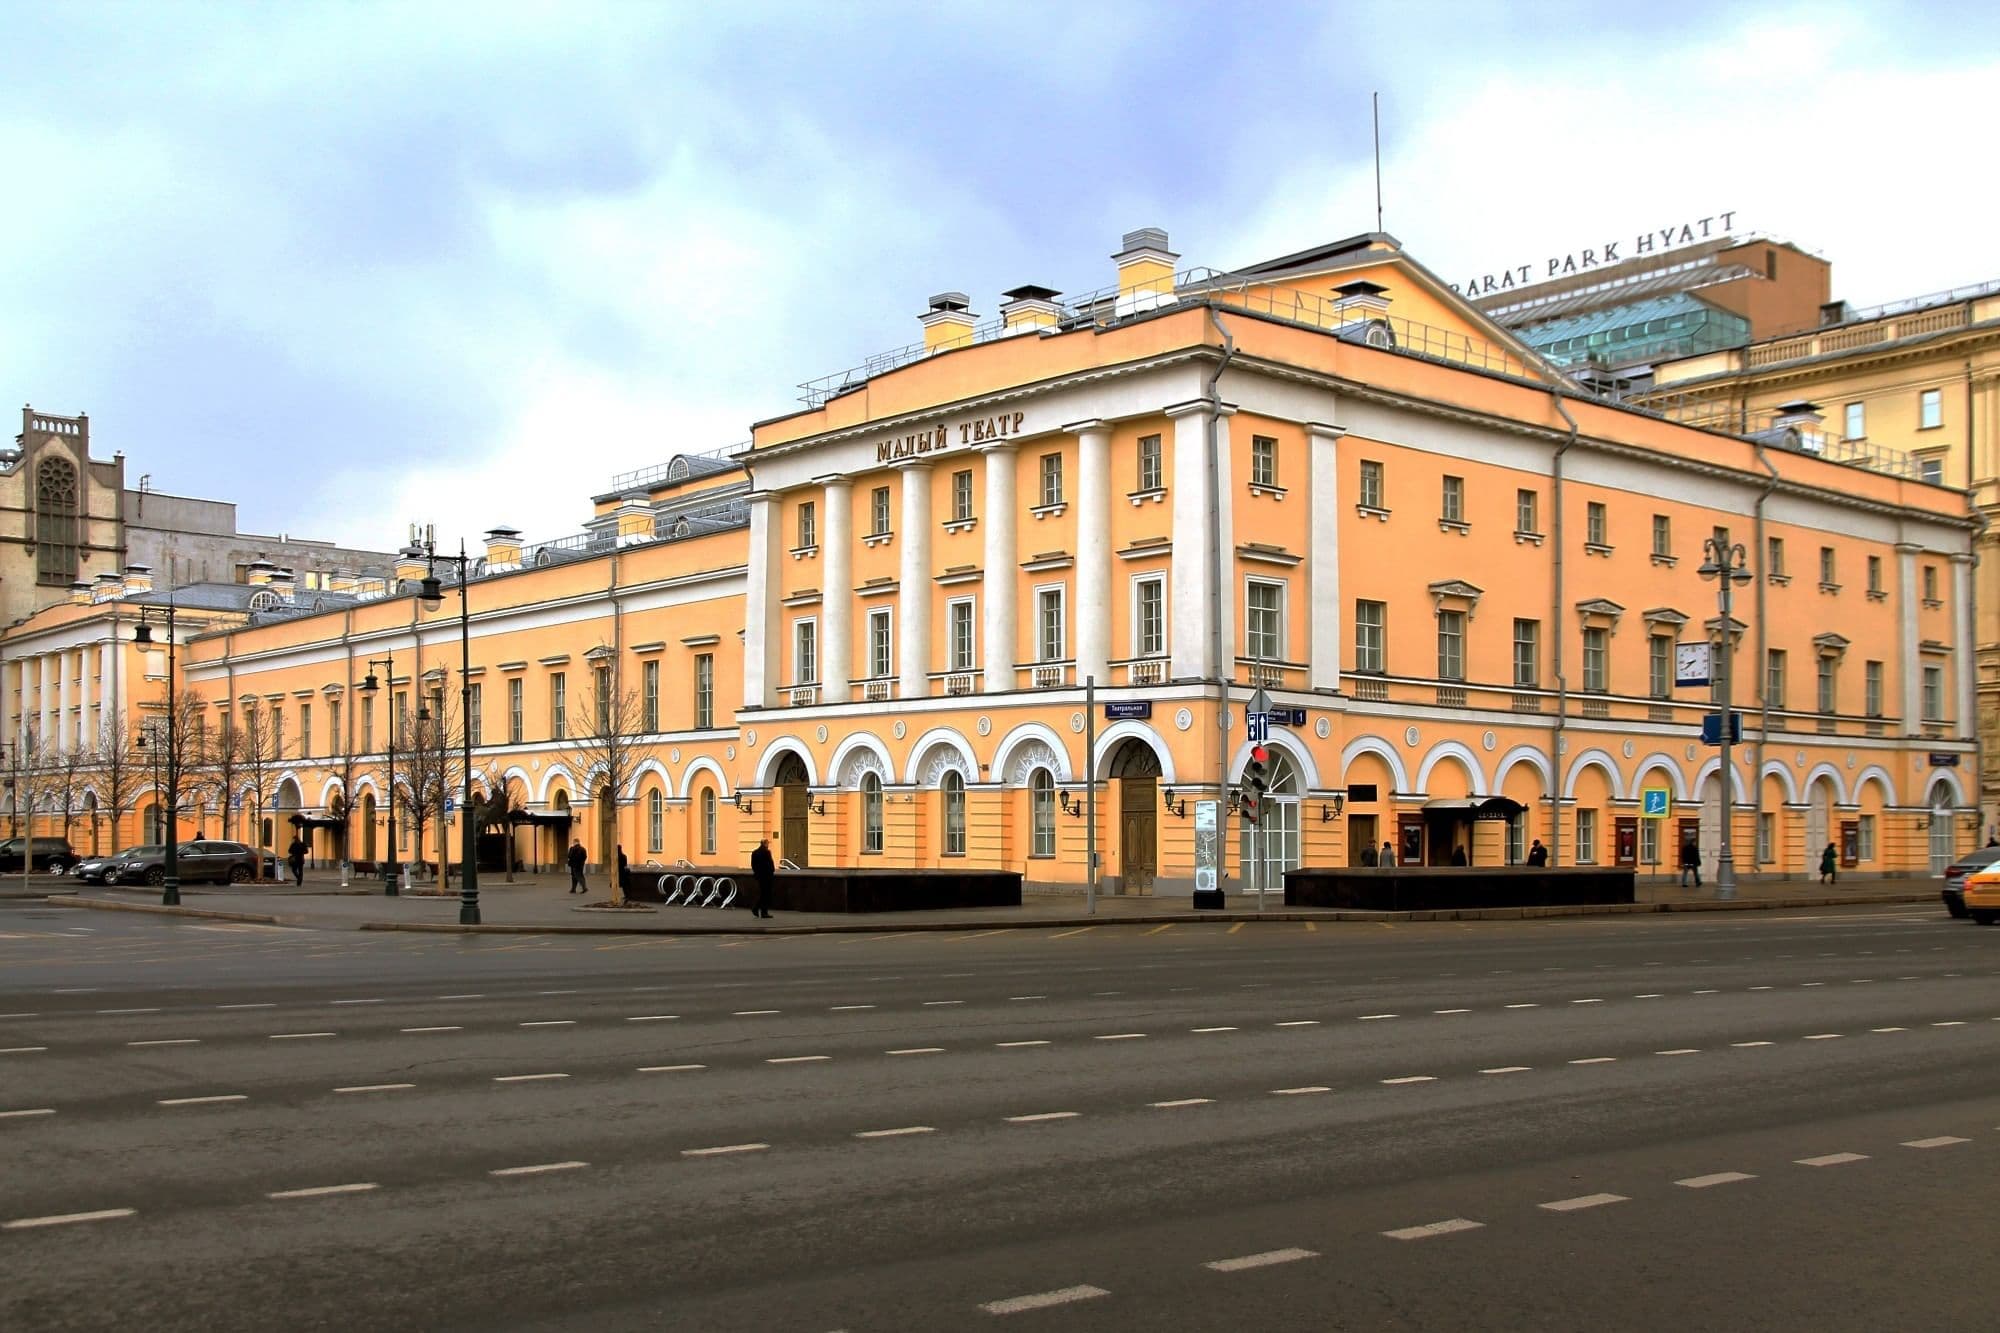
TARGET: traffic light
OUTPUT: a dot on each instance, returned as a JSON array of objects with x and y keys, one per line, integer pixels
[{"x": 1256, "y": 781}]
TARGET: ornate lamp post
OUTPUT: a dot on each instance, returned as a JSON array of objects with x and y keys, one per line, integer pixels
[
  {"x": 433, "y": 598},
  {"x": 1725, "y": 562},
  {"x": 142, "y": 634},
  {"x": 392, "y": 864}
]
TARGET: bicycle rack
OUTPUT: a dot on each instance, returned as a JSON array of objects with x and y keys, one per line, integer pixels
[
  {"x": 660, "y": 886},
  {"x": 683, "y": 891},
  {"x": 728, "y": 882},
  {"x": 707, "y": 884}
]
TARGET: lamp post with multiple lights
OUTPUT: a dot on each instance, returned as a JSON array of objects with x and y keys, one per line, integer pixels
[
  {"x": 1726, "y": 562},
  {"x": 142, "y": 634},
  {"x": 392, "y": 864},
  {"x": 433, "y": 598}
]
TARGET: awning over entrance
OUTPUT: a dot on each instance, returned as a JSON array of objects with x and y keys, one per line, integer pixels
[
  {"x": 317, "y": 821},
  {"x": 542, "y": 818},
  {"x": 1475, "y": 807}
]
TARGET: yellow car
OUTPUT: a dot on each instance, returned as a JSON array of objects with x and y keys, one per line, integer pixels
[{"x": 1982, "y": 896}]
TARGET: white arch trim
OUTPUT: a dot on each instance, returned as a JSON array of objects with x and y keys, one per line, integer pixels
[
  {"x": 549, "y": 780},
  {"x": 277, "y": 792},
  {"x": 767, "y": 767},
  {"x": 951, "y": 740},
  {"x": 1876, "y": 773},
  {"x": 1380, "y": 748},
  {"x": 1657, "y": 762},
  {"x": 1294, "y": 749},
  {"x": 1709, "y": 770},
  {"x": 1021, "y": 735},
  {"x": 649, "y": 768},
  {"x": 1117, "y": 734},
  {"x": 695, "y": 769},
  {"x": 1533, "y": 758},
  {"x": 859, "y": 743},
  {"x": 365, "y": 785},
  {"x": 1832, "y": 774},
  {"x": 1776, "y": 769},
  {"x": 327, "y": 791},
  {"x": 1944, "y": 777},
  {"x": 1594, "y": 759},
  {"x": 1453, "y": 750}
]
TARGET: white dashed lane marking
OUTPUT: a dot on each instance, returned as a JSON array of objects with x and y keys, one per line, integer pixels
[
  {"x": 1119, "y": 1036},
  {"x": 1410, "y": 1078},
  {"x": 539, "y": 1168},
  {"x": 65, "y": 1219},
  {"x": 551, "y": 1023},
  {"x": 1832, "y": 1159},
  {"x": 299, "y": 1036},
  {"x": 1506, "y": 1069},
  {"x": 1582, "y": 1201},
  {"x": 668, "y": 1069},
  {"x": 1041, "y": 1116},
  {"x": 320, "y": 1191},
  {"x": 1941, "y": 1141},
  {"x": 1298, "y": 1023},
  {"x": 724, "y": 1149},
  {"x": 1596, "y": 1060},
  {"x": 1211, "y": 1029},
  {"x": 1184, "y": 1101},
  {"x": 168, "y": 1041},
  {"x": 21, "y": 1050},
  {"x": 20, "y": 1115},
  {"x": 453, "y": 1028},
  {"x": 1750, "y": 1043},
  {"x": 377, "y": 1087},
  {"x": 753, "y": 1013},
  {"x": 1429, "y": 1229},
  {"x": 917, "y": 1050},
  {"x": 1010, "y": 1045},
  {"x": 204, "y": 1101},
  {"x": 1299, "y": 1092},
  {"x": 895, "y": 1133},
  {"x": 1264, "y": 1260},
  {"x": 1042, "y": 1300},
  {"x": 795, "y": 1059},
  {"x": 1680, "y": 1050},
  {"x": 1718, "y": 1178},
  {"x": 525, "y": 1078},
  {"x": 1370, "y": 1018}
]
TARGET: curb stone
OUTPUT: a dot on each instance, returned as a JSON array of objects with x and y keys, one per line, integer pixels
[{"x": 158, "y": 909}]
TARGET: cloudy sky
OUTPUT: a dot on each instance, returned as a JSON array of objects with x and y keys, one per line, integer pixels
[{"x": 354, "y": 265}]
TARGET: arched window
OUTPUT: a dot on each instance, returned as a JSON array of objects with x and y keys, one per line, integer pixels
[
  {"x": 871, "y": 814},
  {"x": 708, "y": 821},
  {"x": 656, "y": 821},
  {"x": 1041, "y": 813},
  {"x": 55, "y": 522},
  {"x": 951, "y": 792}
]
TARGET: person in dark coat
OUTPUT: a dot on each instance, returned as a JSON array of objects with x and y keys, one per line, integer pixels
[
  {"x": 1368, "y": 855},
  {"x": 1458, "y": 857},
  {"x": 624, "y": 881},
  {"x": 1388, "y": 857},
  {"x": 295, "y": 857},
  {"x": 1538, "y": 855},
  {"x": 765, "y": 870},
  {"x": 577, "y": 856},
  {"x": 1691, "y": 863},
  {"x": 1829, "y": 866}
]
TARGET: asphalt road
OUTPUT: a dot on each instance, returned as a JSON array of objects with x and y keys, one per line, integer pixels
[{"x": 1738, "y": 1122}]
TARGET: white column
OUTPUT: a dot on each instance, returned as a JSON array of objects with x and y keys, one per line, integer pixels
[
  {"x": 913, "y": 610},
  {"x": 1322, "y": 590},
  {"x": 86, "y": 740},
  {"x": 1192, "y": 610},
  {"x": 1092, "y": 613},
  {"x": 1003, "y": 573},
  {"x": 45, "y": 710},
  {"x": 836, "y": 599},
  {"x": 760, "y": 609},
  {"x": 62, "y": 732},
  {"x": 1909, "y": 667},
  {"x": 1965, "y": 651}
]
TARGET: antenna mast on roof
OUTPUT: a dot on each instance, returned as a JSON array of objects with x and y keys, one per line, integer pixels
[{"x": 1375, "y": 99}]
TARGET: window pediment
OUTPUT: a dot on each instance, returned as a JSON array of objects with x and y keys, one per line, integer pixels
[
  {"x": 1456, "y": 595},
  {"x": 1599, "y": 613},
  {"x": 1666, "y": 615},
  {"x": 1830, "y": 644}
]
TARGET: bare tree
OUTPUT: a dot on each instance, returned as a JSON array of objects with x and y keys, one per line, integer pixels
[
  {"x": 256, "y": 744},
  {"x": 66, "y": 778},
  {"x": 119, "y": 768},
  {"x": 608, "y": 737},
  {"x": 434, "y": 768},
  {"x": 176, "y": 752},
  {"x": 498, "y": 808}
]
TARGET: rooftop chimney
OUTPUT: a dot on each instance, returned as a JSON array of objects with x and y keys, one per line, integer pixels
[
  {"x": 340, "y": 580},
  {"x": 503, "y": 549},
  {"x": 635, "y": 518},
  {"x": 1360, "y": 299},
  {"x": 1799, "y": 413},
  {"x": 1145, "y": 266},
  {"x": 1028, "y": 309},
  {"x": 411, "y": 565},
  {"x": 107, "y": 586},
  {"x": 949, "y": 322},
  {"x": 259, "y": 573},
  {"x": 138, "y": 579},
  {"x": 285, "y": 583},
  {"x": 79, "y": 593},
  {"x": 1833, "y": 312}
]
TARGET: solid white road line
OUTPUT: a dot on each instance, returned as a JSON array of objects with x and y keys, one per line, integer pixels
[
  {"x": 1299, "y": 1092},
  {"x": 1582, "y": 1201},
  {"x": 1264, "y": 1260},
  {"x": 299, "y": 1036},
  {"x": 795, "y": 1059},
  {"x": 526, "y": 1078},
  {"x": 1832, "y": 1159},
  {"x": 377, "y": 1087},
  {"x": 1444, "y": 1228},
  {"x": 1040, "y": 1116},
  {"x": 64, "y": 1219},
  {"x": 168, "y": 1041},
  {"x": 726, "y": 1148},
  {"x": 917, "y": 1050},
  {"x": 1042, "y": 1300},
  {"x": 1411, "y": 1078},
  {"x": 18, "y": 1115},
  {"x": 668, "y": 1069},
  {"x": 537, "y": 1169},
  {"x": 1184, "y": 1101},
  {"x": 204, "y": 1101},
  {"x": 895, "y": 1133},
  {"x": 1719, "y": 1178},
  {"x": 319, "y": 1191},
  {"x": 1507, "y": 1069},
  {"x": 1942, "y": 1141},
  {"x": 449, "y": 1028}
]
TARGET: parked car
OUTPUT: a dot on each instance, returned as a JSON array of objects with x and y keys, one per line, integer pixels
[
  {"x": 101, "y": 869},
  {"x": 53, "y": 855},
  {"x": 207, "y": 861},
  {"x": 1982, "y": 895},
  {"x": 1955, "y": 873}
]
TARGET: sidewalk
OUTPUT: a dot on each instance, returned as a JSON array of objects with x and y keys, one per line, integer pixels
[{"x": 540, "y": 903}]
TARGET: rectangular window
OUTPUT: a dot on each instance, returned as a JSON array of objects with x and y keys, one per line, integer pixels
[
  {"x": 1527, "y": 653},
  {"x": 475, "y": 714},
  {"x": 1774, "y": 677},
  {"x": 305, "y": 731},
  {"x": 1050, "y": 636},
  {"x": 1721, "y": 536},
  {"x": 1874, "y": 573},
  {"x": 1864, "y": 837},
  {"x": 558, "y": 705},
  {"x": 1451, "y": 506},
  {"x": 1150, "y": 617},
  {"x": 1825, "y": 696},
  {"x": 399, "y": 718},
  {"x": 277, "y": 732},
  {"x": 1371, "y": 494},
  {"x": 1826, "y": 565},
  {"x": 1586, "y": 837},
  {"x": 1930, "y": 583},
  {"x": 1871, "y": 676},
  {"x": 1451, "y": 645},
  {"x": 1371, "y": 623},
  {"x": 336, "y": 741},
  {"x": 1931, "y": 471},
  {"x": 1649, "y": 842},
  {"x": 808, "y": 524},
  {"x": 600, "y": 697},
  {"x": 1596, "y": 660},
  {"x": 1663, "y": 535},
  {"x": 1527, "y": 511},
  {"x": 881, "y": 656},
  {"x": 1857, "y": 421},
  {"x": 516, "y": 721},
  {"x": 961, "y": 495},
  {"x": 1933, "y": 694},
  {"x": 1263, "y": 620},
  {"x": 704, "y": 691},
  {"x": 1767, "y": 830},
  {"x": 1596, "y": 530},
  {"x": 649, "y": 696},
  {"x": 878, "y": 511},
  {"x": 1930, "y": 409},
  {"x": 1263, "y": 461},
  {"x": 1149, "y": 463},
  {"x": 1052, "y": 492},
  {"x": 961, "y": 634},
  {"x": 708, "y": 804},
  {"x": 1660, "y": 666},
  {"x": 805, "y": 652},
  {"x": 1774, "y": 556}
]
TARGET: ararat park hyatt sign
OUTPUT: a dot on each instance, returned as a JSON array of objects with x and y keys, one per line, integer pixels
[
  {"x": 945, "y": 435},
  {"x": 1649, "y": 242}
]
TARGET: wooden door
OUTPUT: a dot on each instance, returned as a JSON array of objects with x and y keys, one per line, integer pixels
[
  {"x": 1138, "y": 834},
  {"x": 792, "y": 837}
]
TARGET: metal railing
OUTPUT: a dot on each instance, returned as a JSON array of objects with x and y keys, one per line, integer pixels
[{"x": 696, "y": 463}]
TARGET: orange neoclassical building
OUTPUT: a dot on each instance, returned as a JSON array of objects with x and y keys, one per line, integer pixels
[{"x": 877, "y": 632}]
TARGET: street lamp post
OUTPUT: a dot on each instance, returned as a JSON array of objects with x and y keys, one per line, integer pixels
[
  {"x": 392, "y": 864},
  {"x": 142, "y": 634},
  {"x": 1725, "y": 562},
  {"x": 433, "y": 597}
]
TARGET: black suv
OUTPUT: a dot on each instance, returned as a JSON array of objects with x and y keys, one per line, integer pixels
[
  {"x": 205, "y": 861},
  {"x": 53, "y": 855}
]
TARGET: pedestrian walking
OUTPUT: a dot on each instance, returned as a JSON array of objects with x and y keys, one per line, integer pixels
[
  {"x": 765, "y": 870},
  {"x": 1388, "y": 854},
  {"x": 1691, "y": 863},
  {"x": 295, "y": 857},
  {"x": 624, "y": 879},
  {"x": 1829, "y": 866},
  {"x": 577, "y": 856},
  {"x": 1538, "y": 855}
]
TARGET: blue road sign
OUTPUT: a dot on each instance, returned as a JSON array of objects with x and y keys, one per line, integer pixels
[
  {"x": 1653, "y": 802},
  {"x": 1260, "y": 728}
]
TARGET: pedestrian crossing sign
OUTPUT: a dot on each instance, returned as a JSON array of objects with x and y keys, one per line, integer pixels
[{"x": 1653, "y": 802}]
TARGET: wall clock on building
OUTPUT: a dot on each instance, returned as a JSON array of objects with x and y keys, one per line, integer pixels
[{"x": 1691, "y": 663}]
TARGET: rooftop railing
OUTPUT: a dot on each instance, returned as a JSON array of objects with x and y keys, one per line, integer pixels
[{"x": 697, "y": 463}]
